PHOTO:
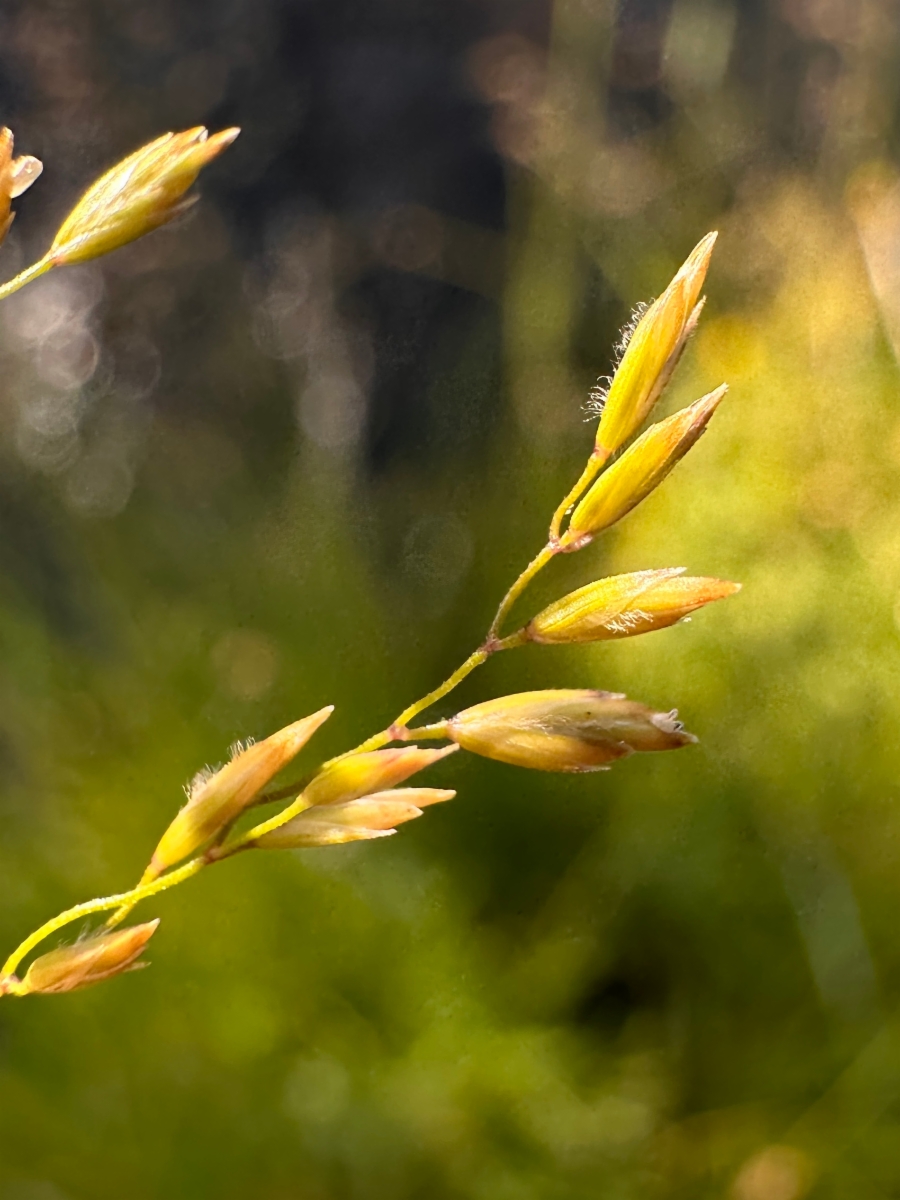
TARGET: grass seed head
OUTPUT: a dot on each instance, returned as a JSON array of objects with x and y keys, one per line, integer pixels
[
  {"x": 641, "y": 468},
  {"x": 87, "y": 962},
  {"x": 625, "y": 605},
  {"x": 140, "y": 193},
  {"x": 564, "y": 729},
  {"x": 221, "y": 797},
  {"x": 358, "y": 775},
  {"x": 653, "y": 351},
  {"x": 376, "y": 815}
]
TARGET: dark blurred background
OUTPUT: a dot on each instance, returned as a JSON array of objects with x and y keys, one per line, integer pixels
[{"x": 291, "y": 451}]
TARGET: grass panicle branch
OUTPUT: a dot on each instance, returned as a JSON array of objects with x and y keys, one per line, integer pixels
[{"x": 358, "y": 795}]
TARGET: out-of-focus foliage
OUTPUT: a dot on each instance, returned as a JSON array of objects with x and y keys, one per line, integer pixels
[{"x": 292, "y": 452}]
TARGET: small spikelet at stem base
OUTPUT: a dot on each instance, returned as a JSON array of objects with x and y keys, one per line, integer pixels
[
  {"x": 565, "y": 729},
  {"x": 88, "y": 961},
  {"x": 218, "y": 798}
]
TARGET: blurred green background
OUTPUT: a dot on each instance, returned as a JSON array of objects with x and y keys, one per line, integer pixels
[{"x": 292, "y": 451}]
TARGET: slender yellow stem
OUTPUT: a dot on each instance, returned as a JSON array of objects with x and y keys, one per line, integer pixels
[
  {"x": 129, "y": 899},
  {"x": 396, "y": 731},
  {"x": 244, "y": 842},
  {"x": 519, "y": 638},
  {"x": 377, "y": 740},
  {"x": 424, "y": 732},
  {"x": 126, "y": 901},
  {"x": 33, "y": 272},
  {"x": 119, "y": 916},
  {"x": 597, "y": 460},
  {"x": 210, "y": 855},
  {"x": 474, "y": 660},
  {"x": 537, "y": 564}
]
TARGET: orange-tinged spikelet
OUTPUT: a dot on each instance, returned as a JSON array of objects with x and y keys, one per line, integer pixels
[
  {"x": 565, "y": 729},
  {"x": 376, "y": 815},
  {"x": 87, "y": 962},
  {"x": 140, "y": 193},
  {"x": 223, "y": 796},
  {"x": 653, "y": 351},
  {"x": 625, "y": 605},
  {"x": 358, "y": 775},
  {"x": 640, "y": 469}
]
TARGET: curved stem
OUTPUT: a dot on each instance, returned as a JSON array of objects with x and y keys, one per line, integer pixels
[
  {"x": 597, "y": 460},
  {"x": 123, "y": 899},
  {"x": 207, "y": 857},
  {"x": 124, "y": 902},
  {"x": 33, "y": 272},
  {"x": 491, "y": 645}
]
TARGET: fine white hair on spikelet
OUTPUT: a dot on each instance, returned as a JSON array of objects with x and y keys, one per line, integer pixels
[
  {"x": 204, "y": 775},
  {"x": 239, "y": 747},
  {"x": 596, "y": 400},
  {"x": 627, "y": 620},
  {"x": 597, "y": 397},
  {"x": 197, "y": 782}
]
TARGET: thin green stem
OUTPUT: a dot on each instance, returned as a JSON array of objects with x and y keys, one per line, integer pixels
[
  {"x": 598, "y": 459},
  {"x": 491, "y": 645},
  {"x": 123, "y": 899},
  {"x": 33, "y": 272},
  {"x": 375, "y": 742}
]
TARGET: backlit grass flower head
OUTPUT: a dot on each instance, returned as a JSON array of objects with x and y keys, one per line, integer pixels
[
  {"x": 360, "y": 794},
  {"x": 137, "y": 195}
]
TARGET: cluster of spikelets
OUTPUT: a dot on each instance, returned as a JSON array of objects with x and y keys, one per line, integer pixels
[{"x": 358, "y": 795}]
